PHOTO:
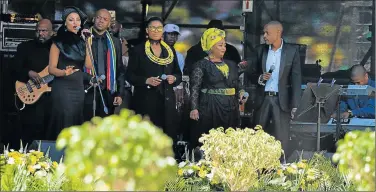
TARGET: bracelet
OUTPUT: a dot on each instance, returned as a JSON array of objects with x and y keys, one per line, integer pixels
[{"x": 65, "y": 73}]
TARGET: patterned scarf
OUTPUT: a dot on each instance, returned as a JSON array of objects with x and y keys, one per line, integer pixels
[{"x": 111, "y": 63}]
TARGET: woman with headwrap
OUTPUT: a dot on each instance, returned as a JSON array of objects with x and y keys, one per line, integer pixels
[
  {"x": 214, "y": 88},
  {"x": 153, "y": 70},
  {"x": 68, "y": 54}
]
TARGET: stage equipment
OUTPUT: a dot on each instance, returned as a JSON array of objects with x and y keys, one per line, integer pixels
[
  {"x": 12, "y": 34},
  {"x": 318, "y": 103}
]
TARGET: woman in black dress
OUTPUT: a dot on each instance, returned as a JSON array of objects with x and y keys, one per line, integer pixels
[
  {"x": 214, "y": 88},
  {"x": 153, "y": 70},
  {"x": 68, "y": 55}
]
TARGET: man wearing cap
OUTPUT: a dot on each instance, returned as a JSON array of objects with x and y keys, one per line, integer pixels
[
  {"x": 171, "y": 34},
  {"x": 196, "y": 53}
]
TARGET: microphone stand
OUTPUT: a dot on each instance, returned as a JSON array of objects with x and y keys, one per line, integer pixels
[{"x": 96, "y": 84}]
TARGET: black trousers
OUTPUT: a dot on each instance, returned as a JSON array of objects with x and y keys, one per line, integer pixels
[
  {"x": 280, "y": 127},
  {"x": 35, "y": 120},
  {"x": 99, "y": 112}
]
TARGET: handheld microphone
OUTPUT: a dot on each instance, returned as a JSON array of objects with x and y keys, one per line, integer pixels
[
  {"x": 94, "y": 80},
  {"x": 78, "y": 28},
  {"x": 245, "y": 96},
  {"x": 163, "y": 76},
  {"x": 271, "y": 69},
  {"x": 87, "y": 34}
]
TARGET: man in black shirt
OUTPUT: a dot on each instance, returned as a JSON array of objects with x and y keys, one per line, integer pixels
[
  {"x": 31, "y": 58},
  {"x": 107, "y": 56},
  {"x": 196, "y": 53}
]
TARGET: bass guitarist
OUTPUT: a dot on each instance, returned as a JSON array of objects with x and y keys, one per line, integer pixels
[{"x": 31, "y": 58}]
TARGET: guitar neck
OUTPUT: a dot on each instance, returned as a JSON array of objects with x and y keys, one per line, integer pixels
[{"x": 48, "y": 78}]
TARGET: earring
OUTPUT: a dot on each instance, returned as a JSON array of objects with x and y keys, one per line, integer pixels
[{"x": 65, "y": 27}]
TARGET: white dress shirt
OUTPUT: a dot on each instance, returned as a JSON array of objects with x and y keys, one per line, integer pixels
[{"x": 274, "y": 58}]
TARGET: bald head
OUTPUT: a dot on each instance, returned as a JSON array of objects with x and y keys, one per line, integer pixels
[
  {"x": 273, "y": 33},
  {"x": 46, "y": 23},
  {"x": 103, "y": 11},
  {"x": 275, "y": 24},
  {"x": 359, "y": 75},
  {"x": 44, "y": 30},
  {"x": 102, "y": 20}
]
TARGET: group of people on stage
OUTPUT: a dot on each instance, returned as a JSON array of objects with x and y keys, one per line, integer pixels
[{"x": 157, "y": 74}]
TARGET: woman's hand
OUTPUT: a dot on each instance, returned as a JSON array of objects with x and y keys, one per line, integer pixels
[
  {"x": 243, "y": 97},
  {"x": 194, "y": 115},
  {"x": 171, "y": 79},
  {"x": 69, "y": 70},
  {"x": 85, "y": 33},
  {"x": 153, "y": 81}
]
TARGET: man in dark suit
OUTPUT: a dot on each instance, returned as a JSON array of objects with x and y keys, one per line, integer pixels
[
  {"x": 276, "y": 70},
  {"x": 195, "y": 53},
  {"x": 113, "y": 85}
]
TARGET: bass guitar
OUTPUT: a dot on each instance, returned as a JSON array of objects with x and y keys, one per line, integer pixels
[{"x": 30, "y": 92}]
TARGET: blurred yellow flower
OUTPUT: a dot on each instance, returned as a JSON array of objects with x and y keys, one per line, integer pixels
[
  {"x": 33, "y": 160},
  {"x": 44, "y": 165},
  {"x": 302, "y": 165},
  {"x": 54, "y": 164},
  {"x": 306, "y": 40},
  {"x": 280, "y": 172},
  {"x": 38, "y": 154},
  {"x": 31, "y": 169},
  {"x": 180, "y": 172},
  {"x": 202, "y": 173},
  {"x": 291, "y": 170}
]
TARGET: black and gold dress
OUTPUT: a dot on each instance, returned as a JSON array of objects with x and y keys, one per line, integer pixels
[{"x": 214, "y": 93}]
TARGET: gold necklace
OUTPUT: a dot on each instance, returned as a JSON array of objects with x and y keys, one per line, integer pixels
[
  {"x": 223, "y": 67},
  {"x": 157, "y": 60}
]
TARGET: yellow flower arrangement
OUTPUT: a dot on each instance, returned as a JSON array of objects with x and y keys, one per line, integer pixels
[{"x": 24, "y": 170}]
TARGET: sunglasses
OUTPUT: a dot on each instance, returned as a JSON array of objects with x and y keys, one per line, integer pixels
[{"x": 155, "y": 29}]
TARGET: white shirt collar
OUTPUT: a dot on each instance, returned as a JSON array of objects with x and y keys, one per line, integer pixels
[{"x": 280, "y": 48}]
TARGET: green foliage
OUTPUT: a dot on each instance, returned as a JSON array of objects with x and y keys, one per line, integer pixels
[
  {"x": 356, "y": 157},
  {"x": 120, "y": 152},
  {"x": 317, "y": 174},
  {"x": 238, "y": 156}
]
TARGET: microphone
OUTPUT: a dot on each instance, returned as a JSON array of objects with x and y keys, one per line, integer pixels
[
  {"x": 94, "y": 80},
  {"x": 245, "y": 96},
  {"x": 87, "y": 34},
  {"x": 271, "y": 69},
  {"x": 163, "y": 76},
  {"x": 78, "y": 28}
]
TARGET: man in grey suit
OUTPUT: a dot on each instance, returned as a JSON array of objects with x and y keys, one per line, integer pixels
[{"x": 275, "y": 69}]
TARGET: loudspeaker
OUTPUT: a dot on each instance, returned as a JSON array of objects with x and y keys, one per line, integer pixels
[
  {"x": 54, "y": 154},
  {"x": 297, "y": 155}
]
